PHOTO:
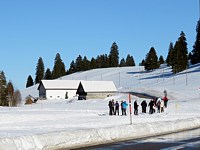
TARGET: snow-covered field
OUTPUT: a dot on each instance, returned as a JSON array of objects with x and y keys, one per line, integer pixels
[{"x": 53, "y": 124}]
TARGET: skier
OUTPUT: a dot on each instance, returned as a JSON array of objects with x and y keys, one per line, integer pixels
[
  {"x": 135, "y": 108},
  {"x": 144, "y": 106}
]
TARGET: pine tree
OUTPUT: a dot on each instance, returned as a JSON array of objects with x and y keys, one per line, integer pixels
[
  {"x": 190, "y": 57},
  {"x": 48, "y": 74},
  {"x": 142, "y": 63},
  {"x": 93, "y": 63},
  {"x": 151, "y": 61},
  {"x": 114, "y": 55},
  {"x": 102, "y": 61},
  {"x": 130, "y": 61},
  {"x": 122, "y": 63},
  {"x": 180, "y": 55},
  {"x": 29, "y": 81},
  {"x": 86, "y": 64},
  {"x": 39, "y": 71},
  {"x": 10, "y": 93},
  {"x": 195, "y": 57},
  {"x": 99, "y": 62},
  {"x": 161, "y": 60},
  {"x": 72, "y": 67},
  {"x": 3, "y": 89},
  {"x": 59, "y": 67},
  {"x": 105, "y": 61},
  {"x": 170, "y": 55},
  {"x": 79, "y": 63}
]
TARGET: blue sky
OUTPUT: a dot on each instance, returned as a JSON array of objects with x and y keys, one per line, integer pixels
[{"x": 42, "y": 28}]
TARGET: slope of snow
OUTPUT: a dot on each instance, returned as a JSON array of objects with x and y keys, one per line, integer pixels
[{"x": 51, "y": 124}]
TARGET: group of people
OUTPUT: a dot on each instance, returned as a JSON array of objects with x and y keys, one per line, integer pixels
[
  {"x": 156, "y": 103},
  {"x": 114, "y": 107}
]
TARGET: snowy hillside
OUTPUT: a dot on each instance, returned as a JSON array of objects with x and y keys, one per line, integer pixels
[
  {"x": 52, "y": 124},
  {"x": 135, "y": 79}
]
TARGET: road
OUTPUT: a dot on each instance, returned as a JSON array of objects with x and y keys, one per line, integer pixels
[{"x": 187, "y": 140}]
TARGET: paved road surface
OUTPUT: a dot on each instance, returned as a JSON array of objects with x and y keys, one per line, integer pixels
[
  {"x": 187, "y": 140},
  {"x": 192, "y": 144}
]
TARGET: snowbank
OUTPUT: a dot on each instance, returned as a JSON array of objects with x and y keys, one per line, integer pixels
[{"x": 80, "y": 138}]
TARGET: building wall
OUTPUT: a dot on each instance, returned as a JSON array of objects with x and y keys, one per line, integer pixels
[
  {"x": 60, "y": 94},
  {"x": 99, "y": 95}
]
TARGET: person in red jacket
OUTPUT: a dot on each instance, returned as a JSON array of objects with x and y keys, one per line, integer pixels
[{"x": 165, "y": 99}]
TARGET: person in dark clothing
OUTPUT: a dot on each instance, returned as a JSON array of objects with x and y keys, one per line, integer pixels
[
  {"x": 113, "y": 107},
  {"x": 144, "y": 106},
  {"x": 117, "y": 108},
  {"x": 122, "y": 109},
  {"x": 110, "y": 107},
  {"x": 151, "y": 104},
  {"x": 135, "y": 108}
]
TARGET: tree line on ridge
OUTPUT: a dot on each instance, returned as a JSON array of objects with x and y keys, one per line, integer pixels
[{"x": 178, "y": 58}]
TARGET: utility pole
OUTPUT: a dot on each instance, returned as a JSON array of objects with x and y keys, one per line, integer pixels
[{"x": 130, "y": 107}]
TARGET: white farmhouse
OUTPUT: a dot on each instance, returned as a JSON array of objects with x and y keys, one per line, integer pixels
[
  {"x": 95, "y": 89},
  {"x": 58, "y": 89}
]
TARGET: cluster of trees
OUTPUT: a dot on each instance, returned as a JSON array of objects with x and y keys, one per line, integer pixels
[
  {"x": 101, "y": 61},
  {"x": 8, "y": 95},
  {"x": 80, "y": 64},
  {"x": 58, "y": 71},
  {"x": 151, "y": 61},
  {"x": 177, "y": 57}
]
